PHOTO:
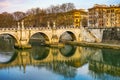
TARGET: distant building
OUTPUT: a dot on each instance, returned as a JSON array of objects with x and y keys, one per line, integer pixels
[
  {"x": 80, "y": 18},
  {"x": 104, "y": 16},
  {"x": 97, "y": 16},
  {"x": 113, "y": 16}
]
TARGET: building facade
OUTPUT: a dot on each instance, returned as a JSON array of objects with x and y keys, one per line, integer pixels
[
  {"x": 97, "y": 16},
  {"x": 80, "y": 18},
  {"x": 104, "y": 16},
  {"x": 77, "y": 18},
  {"x": 113, "y": 16}
]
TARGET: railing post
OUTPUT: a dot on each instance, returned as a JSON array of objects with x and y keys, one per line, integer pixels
[
  {"x": 54, "y": 39},
  {"x": 18, "y": 25},
  {"x": 54, "y": 26},
  {"x": 23, "y": 25},
  {"x": 48, "y": 24}
]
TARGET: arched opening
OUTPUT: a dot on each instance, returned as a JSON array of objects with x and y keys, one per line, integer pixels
[
  {"x": 7, "y": 57},
  {"x": 38, "y": 39},
  {"x": 39, "y": 52},
  {"x": 68, "y": 50},
  {"x": 67, "y": 36},
  {"x": 7, "y": 42}
]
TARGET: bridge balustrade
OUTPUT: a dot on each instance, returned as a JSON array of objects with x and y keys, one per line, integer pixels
[
  {"x": 39, "y": 28},
  {"x": 66, "y": 27},
  {"x": 60, "y": 27},
  {"x": 8, "y": 29},
  {"x": 27, "y": 28}
]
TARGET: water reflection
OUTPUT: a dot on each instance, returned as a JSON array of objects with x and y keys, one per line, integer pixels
[
  {"x": 105, "y": 62},
  {"x": 50, "y": 58},
  {"x": 6, "y": 44},
  {"x": 70, "y": 62},
  {"x": 40, "y": 52},
  {"x": 7, "y": 57},
  {"x": 68, "y": 50}
]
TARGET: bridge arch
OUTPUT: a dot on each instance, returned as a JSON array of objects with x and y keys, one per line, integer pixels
[
  {"x": 45, "y": 37},
  {"x": 64, "y": 36},
  {"x": 12, "y": 35}
]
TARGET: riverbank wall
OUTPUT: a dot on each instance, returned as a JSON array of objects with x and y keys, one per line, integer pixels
[
  {"x": 95, "y": 45},
  {"x": 111, "y": 35}
]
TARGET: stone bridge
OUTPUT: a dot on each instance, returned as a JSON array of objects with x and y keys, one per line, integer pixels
[{"x": 22, "y": 35}]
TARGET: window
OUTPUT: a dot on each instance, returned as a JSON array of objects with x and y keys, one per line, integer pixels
[
  {"x": 77, "y": 20},
  {"x": 77, "y": 17},
  {"x": 108, "y": 11},
  {"x": 112, "y": 10}
]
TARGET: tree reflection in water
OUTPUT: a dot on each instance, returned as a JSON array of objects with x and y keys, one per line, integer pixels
[{"x": 6, "y": 44}]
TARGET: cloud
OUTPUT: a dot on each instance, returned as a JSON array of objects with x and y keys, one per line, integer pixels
[{"x": 4, "y": 3}]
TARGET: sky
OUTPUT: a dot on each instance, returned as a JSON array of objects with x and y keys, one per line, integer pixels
[{"x": 23, "y": 5}]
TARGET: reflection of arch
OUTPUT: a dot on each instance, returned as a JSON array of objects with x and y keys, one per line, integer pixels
[
  {"x": 16, "y": 40},
  {"x": 46, "y": 38},
  {"x": 68, "y": 50},
  {"x": 70, "y": 33},
  {"x": 40, "y": 53},
  {"x": 7, "y": 57}
]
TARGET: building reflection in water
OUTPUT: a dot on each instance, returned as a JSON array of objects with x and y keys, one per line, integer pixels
[{"x": 104, "y": 62}]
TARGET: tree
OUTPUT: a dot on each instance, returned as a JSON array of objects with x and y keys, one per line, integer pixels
[
  {"x": 7, "y": 20},
  {"x": 18, "y": 15},
  {"x": 35, "y": 17},
  {"x": 63, "y": 7},
  {"x": 67, "y": 7},
  {"x": 70, "y": 6}
]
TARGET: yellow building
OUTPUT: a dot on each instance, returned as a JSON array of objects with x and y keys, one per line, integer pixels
[
  {"x": 77, "y": 18},
  {"x": 104, "y": 16},
  {"x": 97, "y": 16},
  {"x": 113, "y": 16},
  {"x": 80, "y": 18}
]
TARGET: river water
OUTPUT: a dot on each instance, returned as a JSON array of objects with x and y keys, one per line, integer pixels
[{"x": 67, "y": 63}]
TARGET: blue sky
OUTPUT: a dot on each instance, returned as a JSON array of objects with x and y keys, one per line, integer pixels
[{"x": 24, "y": 5}]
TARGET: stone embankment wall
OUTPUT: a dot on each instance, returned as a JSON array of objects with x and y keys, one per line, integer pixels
[
  {"x": 91, "y": 35},
  {"x": 112, "y": 34}
]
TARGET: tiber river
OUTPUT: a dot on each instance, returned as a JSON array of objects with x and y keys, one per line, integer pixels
[{"x": 67, "y": 63}]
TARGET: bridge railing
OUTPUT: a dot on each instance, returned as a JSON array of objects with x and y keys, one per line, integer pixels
[
  {"x": 48, "y": 28},
  {"x": 8, "y": 29},
  {"x": 68, "y": 27},
  {"x": 39, "y": 28}
]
